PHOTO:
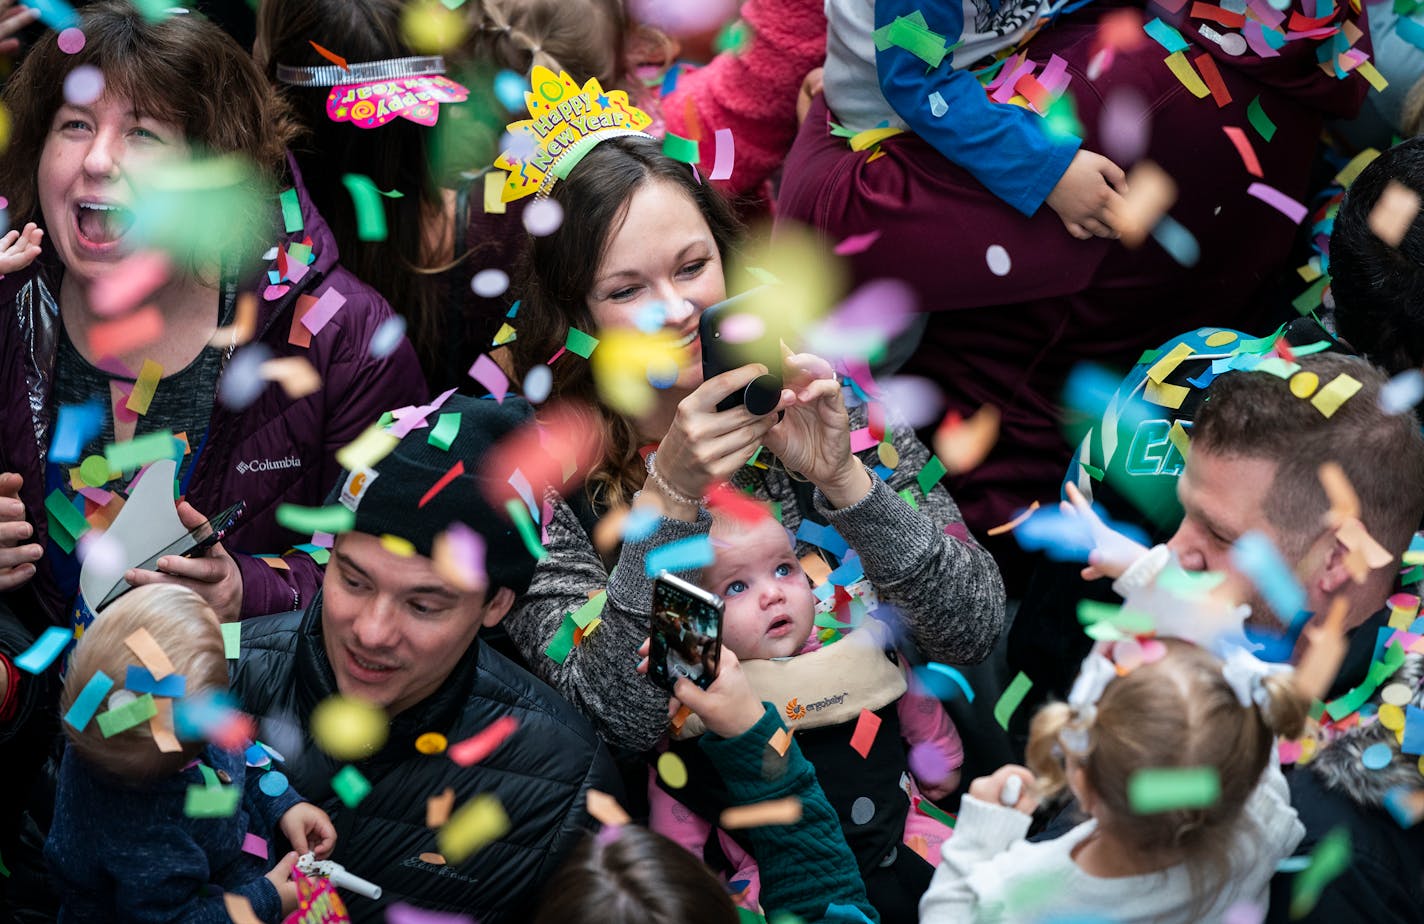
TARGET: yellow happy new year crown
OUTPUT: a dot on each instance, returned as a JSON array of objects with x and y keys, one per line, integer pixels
[{"x": 565, "y": 122}]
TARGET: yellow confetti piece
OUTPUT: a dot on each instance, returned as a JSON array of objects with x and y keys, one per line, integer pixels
[
  {"x": 1391, "y": 717},
  {"x": 505, "y": 334},
  {"x": 397, "y": 546},
  {"x": 762, "y": 814},
  {"x": 431, "y": 743},
  {"x": 1169, "y": 362},
  {"x": 1355, "y": 167},
  {"x": 1308, "y": 272},
  {"x": 1221, "y": 338},
  {"x": 1303, "y": 384},
  {"x": 297, "y": 376},
  {"x": 1394, "y": 213},
  {"x": 1372, "y": 74},
  {"x": 431, "y": 28},
  {"x": 478, "y": 823},
  {"x": 494, "y": 187},
  {"x": 240, "y": 909},
  {"x": 142, "y": 395},
  {"x": 672, "y": 770},
  {"x": 373, "y": 445},
  {"x": 889, "y": 455},
  {"x": 1014, "y": 523},
  {"x": 348, "y": 728},
  {"x": 1328, "y": 400},
  {"x": 1164, "y": 394},
  {"x": 1183, "y": 70},
  {"x": 871, "y": 137},
  {"x": 1178, "y": 437}
]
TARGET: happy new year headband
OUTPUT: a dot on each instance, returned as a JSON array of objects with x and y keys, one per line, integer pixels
[
  {"x": 566, "y": 122},
  {"x": 368, "y": 94}
]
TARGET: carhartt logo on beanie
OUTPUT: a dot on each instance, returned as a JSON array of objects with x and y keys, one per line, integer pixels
[{"x": 386, "y": 497}]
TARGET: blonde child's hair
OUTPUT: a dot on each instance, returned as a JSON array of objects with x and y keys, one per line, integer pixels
[
  {"x": 188, "y": 631},
  {"x": 1178, "y": 711},
  {"x": 583, "y": 37}
]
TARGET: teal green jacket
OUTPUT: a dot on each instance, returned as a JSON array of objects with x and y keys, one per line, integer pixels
[{"x": 806, "y": 868}]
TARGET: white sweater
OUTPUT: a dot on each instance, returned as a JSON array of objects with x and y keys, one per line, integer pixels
[{"x": 990, "y": 873}]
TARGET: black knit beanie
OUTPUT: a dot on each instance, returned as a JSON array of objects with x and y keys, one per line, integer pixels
[{"x": 386, "y": 498}]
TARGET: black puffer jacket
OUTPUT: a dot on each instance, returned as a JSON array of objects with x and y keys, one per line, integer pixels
[{"x": 541, "y": 774}]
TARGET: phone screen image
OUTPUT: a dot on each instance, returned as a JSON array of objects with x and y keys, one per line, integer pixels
[{"x": 685, "y": 635}]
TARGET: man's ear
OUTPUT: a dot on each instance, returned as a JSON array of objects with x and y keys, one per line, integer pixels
[
  {"x": 1333, "y": 573},
  {"x": 496, "y": 608}
]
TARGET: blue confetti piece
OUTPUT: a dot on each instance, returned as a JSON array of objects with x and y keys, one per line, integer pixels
[
  {"x": 640, "y": 523},
  {"x": 822, "y": 537},
  {"x": 139, "y": 680},
  {"x": 56, "y": 14},
  {"x": 1066, "y": 537},
  {"x": 1179, "y": 243},
  {"x": 1413, "y": 743},
  {"x": 680, "y": 555},
  {"x": 670, "y": 80},
  {"x": 1090, "y": 389},
  {"x": 850, "y": 571},
  {"x": 1165, "y": 36},
  {"x": 42, "y": 653},
  {"x": 74, "y": 427},
  {"x": 82, "y": 710},
  {"x": 514, "y": 309},
  {"x": 941, "y": 680},
  {"x": 256, "y": 756},
  {"x": 1377, "y": 756},
  {"x": 1256, "y": 557},
  {"x": 509, "y": 89},
  {"x": 273, "y": 783},
  {"x": 1293, "y": 864},
  {"x": 848, "y": 913}
]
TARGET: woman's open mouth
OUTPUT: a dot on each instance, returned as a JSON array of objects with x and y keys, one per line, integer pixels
[{"x": 101, "y": 224}]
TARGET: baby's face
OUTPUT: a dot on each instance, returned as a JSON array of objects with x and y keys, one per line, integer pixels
[{"x": 769, "y": 604}]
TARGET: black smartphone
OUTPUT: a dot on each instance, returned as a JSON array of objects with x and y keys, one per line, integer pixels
[
  {"x": 733, "y": 334},
  {"x": 198, "y": 541},
  {"x": 685, "y": 638}
]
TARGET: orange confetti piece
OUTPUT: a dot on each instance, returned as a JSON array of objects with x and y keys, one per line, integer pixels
[
  {"x": 866, "y": 728},
  {"x": 244, "y": 324},
  {"x": 605, "y": 809},
  {"x": 331, "y": 56},
  {"x": 438, "y": 808},
  {"x": 781, "y": 741},
  {"x": 146, "y": 647},
  {"x": 961, "y": 445},
  {"x": 115, "y": 338},
  {"x": 1244, "y": 149},
  {"x": 161, "y": 727},
  {"x": 1013, "y": 524},
  {"x": 785, "y": 811}
]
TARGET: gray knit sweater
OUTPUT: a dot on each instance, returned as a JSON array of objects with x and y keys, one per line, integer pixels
[{"x": 945, "y": 586}]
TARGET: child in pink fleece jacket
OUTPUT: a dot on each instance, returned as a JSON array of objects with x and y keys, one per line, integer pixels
[{"x": 825, "y": 694}]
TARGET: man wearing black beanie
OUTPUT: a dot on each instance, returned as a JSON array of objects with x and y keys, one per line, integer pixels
[{"x": 396, "y": 625}]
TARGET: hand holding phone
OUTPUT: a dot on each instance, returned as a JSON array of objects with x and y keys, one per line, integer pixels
[
  {"x": 685, "y": 633},
  {"x": 734, "y": 335}
]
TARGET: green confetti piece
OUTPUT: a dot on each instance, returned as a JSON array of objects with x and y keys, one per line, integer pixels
[
  {"x": 1259, "y": 120},
  {"x": 1166, "y": 789},
  {"x": 117, "y": 721},
  {"x": 913, "y": 34},
  {"x": 683, "y": 150},
  {"x": 590, "y": 610},
  {"x": 1148, "y": 356},
  {"x": 350, "y": 785},
  {"x": 930, "y": 475},
  {"x": 61, "y": 511},
  {"x": 909, "y": 498},
  {"x": 141, "y": 450},
  {"x": 1379, "y": 672},
  {"x": 1329, "y": 859},
  {"x": 291, "y": 211},
  {"x": 1009, "y": 702},
  {"x": 445, "y": 431},
  {"x": 232, "y": 640},
  {"x": 579, "y": 342},
  {"x": 1311, "y": 298},
  {"x": 527, "y": 530},
  {"x": 563, "y": 641},
  {"x": 211, "y": 801},
  {"x": 1094, "y": 611},
  {"x": 926, "y": 807},
  {"x": 1317, "y": 709},
  {"x": 60, "y": 536},
  {"x": 333, "y": 519},
  {"x": 302, "y": 253},
  {"x": 370, "y": 213},
  {"x": 1093, "y": 471},
  {"x": 734, "y": 37}
]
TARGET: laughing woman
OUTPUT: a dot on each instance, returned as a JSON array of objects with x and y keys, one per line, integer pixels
[{"x": 168, "y": 91}]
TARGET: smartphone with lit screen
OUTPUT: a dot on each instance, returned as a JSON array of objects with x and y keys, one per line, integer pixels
[{"x": 685, "y": 636}]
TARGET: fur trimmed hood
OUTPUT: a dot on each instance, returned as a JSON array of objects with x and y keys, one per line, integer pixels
[{"x": 1338, "y": 764}]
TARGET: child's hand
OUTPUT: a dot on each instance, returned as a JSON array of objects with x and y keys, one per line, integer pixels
[
  {"x": 814, "y": 83},
  {"x": 281, "y": 877},
  {"x": 942, "y": 789},
  {"x": 18, "y": 249},
  {"x": 991, "y": 788},
  {"x": 309, "y": 829},
  {"x": 1089, "y": 189},
  {"x": 729, "y": 707},
  {"x": 1113, "y": 553}
]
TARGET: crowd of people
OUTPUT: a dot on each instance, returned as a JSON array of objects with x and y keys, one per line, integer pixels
[{"x": 1025, "y": 391}]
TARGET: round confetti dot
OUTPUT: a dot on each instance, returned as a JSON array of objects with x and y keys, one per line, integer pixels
[
  {"x": 662, "y": 372},
  {"x": 509, "y": 88},
  {"x": 1368, "y": 711},
  {"x": 348, "y": 728},
  {"x": 889, "y": 455},
  {"x": 273, "y": 783},
  {"x": 1391, "y": 717},
  {"x": 434, "y": 859},
  {"x": 1308, "y": 748},
  {"x": 94, "y": 471},
  {"x": 1152, "y": 651},
  {"x": 1377, "y": 756},
  {"x": 121, "y": 698},
  {"x": 490, "y": 283},
  {"x": 1396, "y": 694},
  {"x": 543, "y": 217},
  {"x": 891, "y": 857},
  {"x": 998, "y": 259},
  {"x": 862, "y": 810},
  {"x": 672, "y": 770},
  {"x": 71, "y": 41},
  {"x": 83, "y": 85},
  {"x": 742, "y": 328},
  {"x": 650, "y": 319},
  {"x": 538, "y": 383},
  {"x": 1220, "y": 338},
  {"x": 1289, "y": 751},
  {"x": 1303, "y": 384},
  {"x": 431, "y": 743},
  {"x": 387, "y": 337}
]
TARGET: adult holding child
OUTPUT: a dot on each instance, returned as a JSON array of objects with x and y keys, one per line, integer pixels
[
  {"x": 642, "y": 237},
  {"x": 96, "y": 130}
]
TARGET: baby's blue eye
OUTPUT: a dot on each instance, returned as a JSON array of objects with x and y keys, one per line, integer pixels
[
  {"x": 783, "y": 570},
  {"x": 734, "y": 588}
]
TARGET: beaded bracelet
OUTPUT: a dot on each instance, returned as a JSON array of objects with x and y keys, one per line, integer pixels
[{"x": 667, "y": 489}]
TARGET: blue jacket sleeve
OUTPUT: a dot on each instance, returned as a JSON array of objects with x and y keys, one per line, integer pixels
[
  {"x": 266, "y": 811},
  {"x": 169, "y": 884},
  {"x": 806, "y": 868},
  {"x": 1005, "y": 147}
]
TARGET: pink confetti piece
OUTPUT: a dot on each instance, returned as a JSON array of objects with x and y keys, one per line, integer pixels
[
  {"x": 725, "y": 157},
  {"x": 857, "y": 243},
  {"x": 97, "y": 495},
  {"x": 1256, "y": 38},
  {"x": 272, "y": 293},
  {"x": 324, "y": 540},
  {"x": 488, "y": 373},
  {"x": 1243, "y": 147},
  {"x": 124, "y": 287},
  {"x": 323, "y": 311},
  {"x": 1278, "y": 201},
  {"x": 254, "y": 845},
  {"x": 1267, "y": 14},
  {"x": 1055, "y": 76},
  {"x": 71, "y": 41},
  {"x": 863, "y": 439},
  {"x": 296, "y": 270},
  {"x": 1009, "y": 87}
]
